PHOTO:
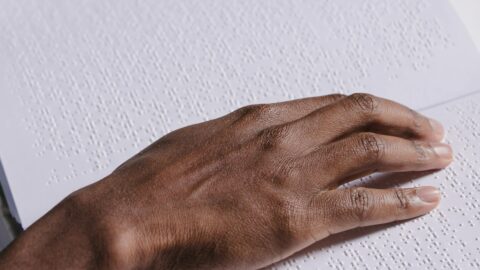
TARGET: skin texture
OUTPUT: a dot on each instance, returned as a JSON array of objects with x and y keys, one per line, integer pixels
[{"x": 242, "y": 191}]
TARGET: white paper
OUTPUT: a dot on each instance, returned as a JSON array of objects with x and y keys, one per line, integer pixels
[{"x": 86, "y": 84}]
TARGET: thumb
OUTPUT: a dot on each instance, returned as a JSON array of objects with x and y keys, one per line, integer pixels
[{"x": 356, "y": 207}]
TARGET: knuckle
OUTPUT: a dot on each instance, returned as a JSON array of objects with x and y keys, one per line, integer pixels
[
  {"x": 261, "y": 109},
  {"x": 401, "y": 198},
  {"x": 360, "y": 200},
  {"x": 255, "y": 109},
  {"x": 243, "y": 111},
  {"x": 418, "y": 121},
  {"x": 419, "y": 124},
  {"x": 421, "y": 151},
  {"x": 256, "y": 112},
  {"x": 276, "y": 224},
  {"x": 364, "y": 103},
  {"x": 371, "y": 145}
]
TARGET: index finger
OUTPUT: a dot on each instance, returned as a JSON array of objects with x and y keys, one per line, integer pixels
[{"x": 364, "y": 112}]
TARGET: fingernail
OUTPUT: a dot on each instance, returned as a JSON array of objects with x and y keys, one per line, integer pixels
[
  {"x": 428, "y": 194},
  {"x": 442, "y": 150},
  {"x": 437, "y": 128}
]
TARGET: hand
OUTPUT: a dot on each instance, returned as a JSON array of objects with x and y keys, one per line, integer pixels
[{"x": 244, "y": 190}]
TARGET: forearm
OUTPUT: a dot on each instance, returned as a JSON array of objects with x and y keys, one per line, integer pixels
[
  {"x": 83, "y": 233},
  {"x": 56, "y": 241}
]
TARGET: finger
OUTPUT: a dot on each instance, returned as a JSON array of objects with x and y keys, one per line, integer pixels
[
  {"x": 360, "y": 112},
  {"x": 265, "y": 115},
  {"x": 295, "y": 109},
  {"x": 364, "y": 153},
  {"x": 346, "y": 209}
]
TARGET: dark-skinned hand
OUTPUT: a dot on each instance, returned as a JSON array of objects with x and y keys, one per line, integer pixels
[{"x": 242, "y": 191}]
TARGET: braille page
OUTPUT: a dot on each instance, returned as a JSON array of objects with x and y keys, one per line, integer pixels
[
  {"x": 86, "y": 84},
  {"x": 447, "y": 238}
]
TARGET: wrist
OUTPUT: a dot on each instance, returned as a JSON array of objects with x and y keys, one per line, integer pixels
[
  {"x": 57, "y": 240},
  {"x": 108, "y": 225},
  {"x": 89, "y": 229},
  {"x": 111, "y": 239}
]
